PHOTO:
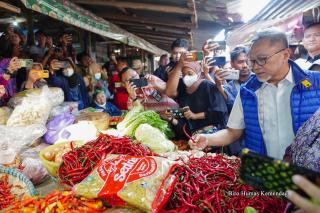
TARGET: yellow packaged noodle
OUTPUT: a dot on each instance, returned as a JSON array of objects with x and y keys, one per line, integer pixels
[{"x": 143, "y": 182}]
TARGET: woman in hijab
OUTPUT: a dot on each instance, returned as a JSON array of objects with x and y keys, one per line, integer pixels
[
  {"x": 205, "y": 110},
  {"x": 62, "y": 75}
]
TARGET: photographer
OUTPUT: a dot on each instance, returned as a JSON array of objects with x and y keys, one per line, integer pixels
[
  {"x": 151, "y": 95},
  {"x": 33, "y": 79},
  {"x": 70, "y": 82},
  {"x": 206, "y": 109}
]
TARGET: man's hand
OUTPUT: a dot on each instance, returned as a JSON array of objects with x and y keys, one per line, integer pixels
[
  {"x": 309, "y": 206},
  {"x": 209, "y": 46},
  {"x": 2, "y": 91},
  {"x": 190, "y": 115},
  {"x": 66, "y": 40},
  {"x": 200, "y": 142},
  {"x": 54, "y": 65},
  {"x": 14, "y": 65},
  {"x": 131, "y": 89}
]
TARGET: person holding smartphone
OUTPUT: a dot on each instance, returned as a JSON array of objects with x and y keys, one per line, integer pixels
[
  {"x": 148, "y": 91},
  {"x": 273, "y": 104},
  {"x": 34, "y": 80}
]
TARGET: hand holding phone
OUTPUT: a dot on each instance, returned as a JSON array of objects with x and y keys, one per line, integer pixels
[
  {"x": 41, "y": 73},
  {"x": 141, "y": 82},
  {"x": 26, "y": 63},
  {"x": 197, "y": 55}
]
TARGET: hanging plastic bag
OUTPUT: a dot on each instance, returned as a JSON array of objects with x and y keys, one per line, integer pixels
[
  {"x": 71, "y": 107},
  {"x": 55, "y": 95},
  {"x": 32, "y": 110},
  {"x": 143, "y": 182},
  {"x": 56, "y": 125}
]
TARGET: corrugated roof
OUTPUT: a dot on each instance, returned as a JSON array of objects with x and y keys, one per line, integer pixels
[{"x": 279, "y": 9}]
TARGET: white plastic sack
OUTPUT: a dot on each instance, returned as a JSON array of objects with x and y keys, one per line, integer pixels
[
  {"x": 22, "y": 136},
  {"x": 81, "y": 131},
  {"x": 33, "y": 109}
]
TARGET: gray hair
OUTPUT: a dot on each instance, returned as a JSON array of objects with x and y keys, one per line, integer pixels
[{"x": 274, "y": 35}]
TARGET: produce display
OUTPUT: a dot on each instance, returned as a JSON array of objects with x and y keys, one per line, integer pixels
[
  {"x": 78, "y": 163},
  {"x": 57, "y": 202},
  {"x": 55, "y": 155},
  {"x": 212, "y": 184},
  {"x": 6, "y": 196},
  {"x": 137, "y": 116},
  {"x": 153, "y": 138},
  {"x": 143, "y": 182}
]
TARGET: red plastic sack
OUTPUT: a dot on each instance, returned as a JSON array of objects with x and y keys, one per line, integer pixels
[{"x": 143, "y": 182}]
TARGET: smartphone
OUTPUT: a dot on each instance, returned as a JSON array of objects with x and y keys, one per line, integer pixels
[
  {"x": 26, "y": 63},
  {"x": 272, "y": 175},
  {"x": 141, "y": 82},
  {"x": 219, "y": 61},
  {"x": 177, "y": 113},
  {"x": 64, "y": 64},
  {"x": 197, "y": 55},
  {"x": 156, "y": 95},
  {"x": 222, "y": 44},
  {"x": 232, "y": 75},
  {"x": 41, "y": 73}
]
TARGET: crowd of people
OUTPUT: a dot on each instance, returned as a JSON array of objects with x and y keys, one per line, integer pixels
[{"x": 263, "y": 110}]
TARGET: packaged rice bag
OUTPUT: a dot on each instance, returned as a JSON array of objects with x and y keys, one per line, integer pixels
[{"x": 143, "y": 182}]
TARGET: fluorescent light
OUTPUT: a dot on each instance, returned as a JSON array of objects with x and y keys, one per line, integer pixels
[
  {"x": 15, "y": 23},
  {"x": 250, "y": 8},
  {"x": 220, "y": 36}
]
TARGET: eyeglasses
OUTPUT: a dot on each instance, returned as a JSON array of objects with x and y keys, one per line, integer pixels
[{"x": 263, "y": 60}]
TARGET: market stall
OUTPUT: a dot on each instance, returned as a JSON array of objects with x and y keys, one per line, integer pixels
[{"x": 87, "y": 161}]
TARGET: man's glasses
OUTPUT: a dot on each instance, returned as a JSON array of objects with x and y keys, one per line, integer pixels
[{"x": 263, "y": 60}]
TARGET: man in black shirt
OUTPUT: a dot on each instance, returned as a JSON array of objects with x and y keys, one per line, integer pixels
[{"x": 160, "y": 72}]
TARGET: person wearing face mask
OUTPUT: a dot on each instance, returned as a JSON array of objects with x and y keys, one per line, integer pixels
[
  {"x": 273, "y": 104},
  {"x": 206, "y": 110},
  {"x": 70, "y": 82},
  {"x": 101, "y": 103},
  {"x": 97, "y": 80}
]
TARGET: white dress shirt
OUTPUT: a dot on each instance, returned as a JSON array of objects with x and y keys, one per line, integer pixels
[{"x": 274, "y": 115}]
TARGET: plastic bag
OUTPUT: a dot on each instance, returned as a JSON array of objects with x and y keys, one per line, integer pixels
[
  {"x": 32, "y": 110},
  {"x": 34, "y": 170},
  {"x": 55, "y": 95},
  {"x": 5, "y": 113},
  {"x": 153, "y": 138},
  {"x": 82, "y": 131},
  {"x": 143, "y": 182},
  {"x": 56, "y": 125},
  {"x": 71, "y": 107},
  {"x": 22, "y": 136}
]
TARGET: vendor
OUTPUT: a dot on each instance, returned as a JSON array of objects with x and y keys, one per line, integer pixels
[
  {"x": 100, "y": 102},
  {"x": 33, "y": 80},
  {"x": 206, "y": 108},
  {"x": 273, "y": 104},
  {"x": 70, "y": 82},
  {"x": 152, "y": 96}
]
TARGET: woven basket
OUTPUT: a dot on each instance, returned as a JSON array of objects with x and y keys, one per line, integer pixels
[{"x": 99, "y": 119}]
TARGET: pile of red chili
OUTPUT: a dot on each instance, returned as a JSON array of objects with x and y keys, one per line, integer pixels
[
  {"x": 78, "y": 163},
  {"x": 6, "y": 197},
  {"x": 212, "y": 184}
]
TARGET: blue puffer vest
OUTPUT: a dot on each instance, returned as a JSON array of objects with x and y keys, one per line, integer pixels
[{"x": 305, "y": 100}]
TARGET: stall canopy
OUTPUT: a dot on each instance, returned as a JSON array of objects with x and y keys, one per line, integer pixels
[
  {"x": 284, "y": 14},
  {"x": 70, "y": 13}
]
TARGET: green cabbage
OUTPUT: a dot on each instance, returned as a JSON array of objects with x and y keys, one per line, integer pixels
[{"x": 153, "y": 138}]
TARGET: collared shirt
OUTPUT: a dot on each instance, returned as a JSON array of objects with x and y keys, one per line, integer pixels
[
  {"x": 310, "y": 59},
  {"x": 309, "y": 63},
  {"x": 274, "y": 115}
]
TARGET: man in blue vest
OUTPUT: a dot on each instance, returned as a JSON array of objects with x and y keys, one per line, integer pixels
[{"x": 273, "y": 104}]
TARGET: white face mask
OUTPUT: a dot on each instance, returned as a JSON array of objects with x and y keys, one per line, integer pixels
[
  {"x": 68, "y": 72},
  {"x": 97, "y": 76},
  {"x": 189, "y": 80}
]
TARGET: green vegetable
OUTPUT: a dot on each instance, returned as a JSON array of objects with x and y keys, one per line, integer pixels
[
  {"x": 131, "y": 115},
  {"x": 135, "y": 118},
  {"x": 153, "y": 138},
  {"x": 250, "y": 209}
]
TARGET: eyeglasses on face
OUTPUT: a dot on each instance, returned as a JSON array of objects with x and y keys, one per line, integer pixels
[{"x": 263, "y": 60}]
